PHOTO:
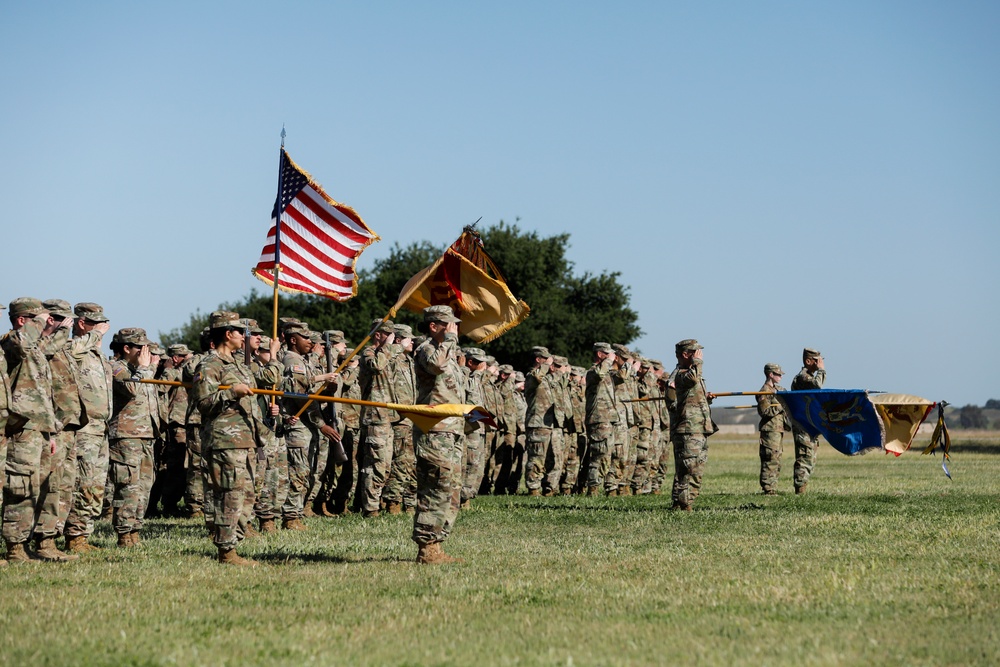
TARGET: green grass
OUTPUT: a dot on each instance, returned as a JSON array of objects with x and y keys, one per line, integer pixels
[{"x": 884, "y": 562}]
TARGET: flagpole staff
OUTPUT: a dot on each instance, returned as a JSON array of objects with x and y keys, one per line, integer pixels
[{"x": 277, "y": 235}]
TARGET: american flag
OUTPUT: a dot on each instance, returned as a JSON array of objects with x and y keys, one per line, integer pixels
[{"x": 317, "y": 242}]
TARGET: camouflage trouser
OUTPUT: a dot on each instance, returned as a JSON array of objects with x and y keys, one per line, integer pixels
[
  {"x": 91, "y": 476},
  {"x": 131, "y": 472},
  {"x": 501, "y": 464},
  {"x": 31, "y": 488},
  {"x": 641, "y": 469},
  {"x": 598, "y": 455},
  {"x": 545, "y": 458},
  {"x": 343, "y": 475},
  {"x": 631, "y": 455},
  {"x": 169, "y": 477},
  {"x": 320, "y": 455},
  {"x": 770, "y": 459},
  {"x": 301, "y": 442},
  {"x": 66, "y": 443},
  {"x": 574, "y": 443},
  {"x": 618, "y": 468},
  {"x": 661, "y": 463},
  {"x": 194, "y": 491},
  {"x": 231, "y": 474},
  {"x": 273, "y": 481},
  {"x": 439, "y": 484},
  {"x": 402, "y": 484},
  {"x": 690, "y": 456},
  {"x": 474, "y": 458},
  {"x": 805, "y": 456},
  {"x": 377, "y": 464}
]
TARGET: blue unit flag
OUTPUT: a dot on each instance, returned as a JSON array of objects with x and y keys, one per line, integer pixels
[{"x": 846, "y": 418}]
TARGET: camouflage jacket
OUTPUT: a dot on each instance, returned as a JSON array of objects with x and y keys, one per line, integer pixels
[
  {"x": 474, "y": 395},
  {"x": 578, "y": 399},
  {"x": 228, "y": 422},
  {"x": 772, "y": 414},
  {"x": 188, "y": 370},
  {"x": 646, "y": 414},
  {"x": 93, "y": 376},
  {"x": 136, "y": 412},
  {"x": 377, "y": 384},
  {"x": 600, "y": 394},
  {"x": 177, "y": 398},
  {"x": 350, "y": 387},
  {"x": 507, "y": 415},
  {"x": 492, "y": 399},
  {"x": 66, "y": 401},
  {"x": 404, "y": 382},
  {"x": 521, "y": 406},
  {"x": 563, "y": 405},
  {"x": 30, "y": 380},
  {"x": 298, "y": 378},
  {"x": 4, "y": 394},
  {"x": 440, "y": 378},
  {"x": 625, "y": 390},
  {"x": 540, "y": 392},
  {"x": 692, "y": 414},
  {"x": 807, "y": 380}
]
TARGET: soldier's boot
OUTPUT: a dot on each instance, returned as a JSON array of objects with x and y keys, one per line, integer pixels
[
  {"x": 393, "y": 507},
  {"x": 46, "y": 550},
  {"x": 800, "y": 490},
  {"x": 16, "y": 553},
  {"x": 655, "y": 492},
  {"x": 433, "y": 554},
  {"x": 267, "y": 526},
  {"x": 134, "y": 538},
  {"x": 3, "y": 563},
  {"x": 124, "y": 540},
  {"x": 196, "y": 514},
  {"x": 612, "y": 492},
  {"x": 534, "y": 492},
  {"x": 293, "y": 524},
  {"x": 625, "y": 491},
  {"x": 548, "y": 493},
  {"x": 567, "y": 492},
  {"x": 325, "y": 509},
  {"x": 230, "y": 557},
  {"x": 370, "y": 514},
  {"x": 769, "y": 492},
  {"x": 307, "y": 511},
  {"x": 249, "y": 531},
  {"x": 593, "y": 491},
  {"x": 78, "y": 544}
]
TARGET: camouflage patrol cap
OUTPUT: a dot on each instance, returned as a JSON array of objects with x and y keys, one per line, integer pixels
[
  {"x": 298, "y": 329},
  {"x": 541, "y": 351},
  {"x": 645, "y": 363},
  {"x": 265, "y": 344},
  {"x": 223, "y": 319},
  {"x": 475, "y": 354},
  {"x": 90, "y": 312},
  {"x": 773, "y": 368},
  {"x": 559, "y": 362},
  {"x": 252, "y": 325},
  {"x": 506, "y": 369},
  {"x": 402, "y": 331},
  {"x": 603, "y": 347},
  {"x": 315, "y": 337},
  {"x": 378, "y": 326},
  {"x": 440, "y": 314},
  {"x": 518, "y": 376},
  {"x": 157, "y": 349},
  {"x": 621, "y": 350},
  {"x": 809, "y": 353},
  {"x": 688, "y": 345},
  {"x": 335, "y": 336},
  {"x": 491, "y": 360},
  {"x": 58, "y": 307},
  {"x": 285, "y": 322},
  {"x": 133, "y": 336},
  {"x": 578, "y": 371},
  {"x": 26, "y": 305},
  {"x": 178, "y": 350}
]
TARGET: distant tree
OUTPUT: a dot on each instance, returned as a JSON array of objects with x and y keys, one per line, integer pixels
[
  {"x": 971, "y": 416},
  {"x": 993, "y": 404},
  {"x": 568, "y": 312}
]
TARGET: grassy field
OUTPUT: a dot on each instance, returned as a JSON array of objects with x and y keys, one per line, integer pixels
[{"x": 884, "y": 562}]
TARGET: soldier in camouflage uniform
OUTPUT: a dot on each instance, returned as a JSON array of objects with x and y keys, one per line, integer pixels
[
  {"x": 439, "y": 452},
  {"x": 231, "y": 418},
  {"x": 475, "y": 361},
  {"x": 196, "y": 470},
  {"x": 170, "y": 479},
  {"x": 502, "y": 459},
  {"x": 544, "y": 424},
  {"x": 346, "y": 474},
  {"x": 602, "y": 416},
  {"x": 31, "y": 485},
  {"x": 563, "y": 409},
  {"x": 400, "y": 492},
  {"x": 812, "y": 376},
  {"x": 301, "y": 433},
  {"x": 773, "y": 424},
  {"x": 320, "y": 455},
  {"x": 518, "y": 460},
  {"x": 576, "y": 437},
  {"x": 377, "y": 386},
  {"x": 692, "y": 424},
  {"x": 271, "y": 476},
  {"x": 134, "y": 427},
  {"x": 4, "y": 405},
  {"x": 69, "y": 414},
  {"x": 621, "y": 451},
  {"x": 648, "y": 423},
  {"x": 94, "y": 383},
  {"x": 664, "y": 453}
]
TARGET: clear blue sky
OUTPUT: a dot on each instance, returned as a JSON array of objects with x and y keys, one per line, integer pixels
[{"x": 764, "y": 175}]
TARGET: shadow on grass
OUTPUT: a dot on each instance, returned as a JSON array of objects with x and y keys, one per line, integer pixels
[{"x": 291, "y": 557}]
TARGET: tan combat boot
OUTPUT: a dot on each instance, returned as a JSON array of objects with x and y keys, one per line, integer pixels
[
  {"x": 393, "y": 508},
  {"x": 307, "y": 511},
  {"x": 250, "y": 531},
  {"x": 535, "y": 492},
  {"x": 800, "y": 490},
  {"x": 370, "y": 514},
  {"x": 230, "y": 557},
  {"x": 124, "y": 540},
  {"x": 267, "y": 526},
  {"x": 16, "y": 553},
  {"x": 78, "y": 544},
  {"x": 293, "y": 524},
  {"x": 625, "y": 491},
  {"x": 433, "y": 554},
  {"x": 46, "y": 550}
]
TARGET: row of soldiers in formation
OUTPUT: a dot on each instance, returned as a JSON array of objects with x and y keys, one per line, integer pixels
[{"x": 86, "y": 434}]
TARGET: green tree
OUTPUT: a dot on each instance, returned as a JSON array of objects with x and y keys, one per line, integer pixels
[
  {"x": 971, "y": 416},
  {"x": 568, "y": 312}
]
